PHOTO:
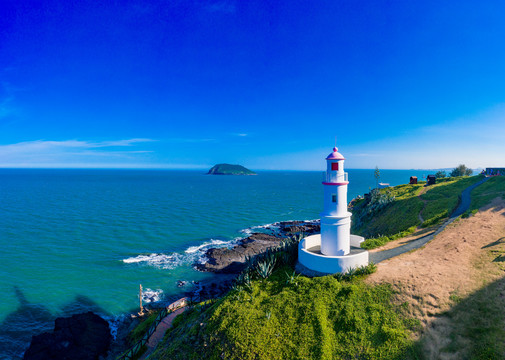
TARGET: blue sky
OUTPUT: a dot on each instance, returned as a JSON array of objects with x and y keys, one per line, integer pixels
[{"x": 267, "y": 84}]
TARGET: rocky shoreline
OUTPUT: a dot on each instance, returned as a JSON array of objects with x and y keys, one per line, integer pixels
[
  {"x": 227, "y": 262},
  {"x": 233, "y": 261}
]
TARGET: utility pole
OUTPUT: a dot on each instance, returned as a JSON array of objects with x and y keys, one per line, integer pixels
[{"x": 141, "y": 313}]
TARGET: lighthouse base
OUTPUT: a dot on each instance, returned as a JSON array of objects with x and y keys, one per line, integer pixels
[{"x": 310, "y": 256}]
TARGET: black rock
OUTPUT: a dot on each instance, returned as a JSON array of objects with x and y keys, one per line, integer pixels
[
  {"x": 79, "y": 337},
  {"x": 232, "y": 261}
]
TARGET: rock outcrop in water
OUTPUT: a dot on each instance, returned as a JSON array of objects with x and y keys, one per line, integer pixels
[
  {"x": 232, "y": 261},
  {"x": 79, "y": 337},
  {"x": 295, "y": 227},
  {"x": 227, "y": 169}
]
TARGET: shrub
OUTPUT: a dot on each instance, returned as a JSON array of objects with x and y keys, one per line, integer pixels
[
  {"x": 461, "y": 170},
  {"x": 378, "y": 241}
]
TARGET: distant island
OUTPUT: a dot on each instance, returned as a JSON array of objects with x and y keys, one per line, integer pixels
[{"x": 227, "y": 169}]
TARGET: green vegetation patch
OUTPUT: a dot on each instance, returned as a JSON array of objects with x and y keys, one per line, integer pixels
[
  {"x": 400, "y": 217},
  {"x": 397, "y": 217},
  {"x": 443, "y": 197},
  {"x": 373, "y": 243},
  {"x": 477, "y": 324},
  {"x": 485, "y": 193},
  {"x": 278, "y": 318}
]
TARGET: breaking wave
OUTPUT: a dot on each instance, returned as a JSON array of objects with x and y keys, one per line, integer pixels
[
  {"x": 161, "y": 261},
  {"x": 192, "y": 255},
  {"x": 196, "y": 254},
  {"x": 149, "y": 295}
]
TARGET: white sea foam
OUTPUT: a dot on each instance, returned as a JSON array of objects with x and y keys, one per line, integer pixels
[
  {"x": 196, "y": 254},
  {"x": 149, "y": 295},
  {"x": 114, "y": 323},
  {"x": 273, "y": 226},
  {"x": 162, "y": 261},
  {"x": 193, "y": 254},
  {"x": 206, "y": 245},
  {"x": 276, "y": 226}
]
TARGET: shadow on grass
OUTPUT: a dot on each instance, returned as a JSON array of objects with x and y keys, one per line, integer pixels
[
  {"x": 30, "y": 319},
  {"x": 494, "y": 243},
  {"x": 474, "y": 328},
  {"x": 500, "y": 258}
]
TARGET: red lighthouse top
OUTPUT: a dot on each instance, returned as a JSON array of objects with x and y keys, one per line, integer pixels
[{"x": 335, "y": 155}]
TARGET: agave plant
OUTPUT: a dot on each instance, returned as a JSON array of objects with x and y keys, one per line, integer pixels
[
  {"x": 292, "y": 279},
  {"x": 265, "y": 268},
  {"x": 351, "y": 273},
  {"x": 249, "y": 261},
  {"x": 339, "y": 276}
]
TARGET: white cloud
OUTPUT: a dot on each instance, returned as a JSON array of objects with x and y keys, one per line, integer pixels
[{"x": 71, "y": 153}]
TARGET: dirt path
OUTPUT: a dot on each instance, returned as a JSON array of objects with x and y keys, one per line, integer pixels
[
  {"x": 454, "y": 264},
  {"x": 392, "y": 250}
]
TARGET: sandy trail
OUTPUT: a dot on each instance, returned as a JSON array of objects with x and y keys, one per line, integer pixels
[{"x": 451, "y": 264}]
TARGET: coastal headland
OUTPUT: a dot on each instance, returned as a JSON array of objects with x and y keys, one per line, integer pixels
[
  {"x": 458, "y": 272},
  {"x": 403, "y": 302}
]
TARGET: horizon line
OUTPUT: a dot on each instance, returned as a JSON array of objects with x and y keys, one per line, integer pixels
[{"x": 205, "y": 168}]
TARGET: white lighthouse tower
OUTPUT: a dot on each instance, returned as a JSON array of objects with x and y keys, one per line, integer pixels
[
  {"x": 335, "y": 249},
  {"x": 335, "y": 219}
]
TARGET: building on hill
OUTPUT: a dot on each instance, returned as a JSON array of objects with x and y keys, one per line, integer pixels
[
  {"x": 495, "y": 172},
  {"x": 413, "y": 180},
  {"x": 335, "y": 249}
]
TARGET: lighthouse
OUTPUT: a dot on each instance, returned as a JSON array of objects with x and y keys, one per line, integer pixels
[
  {"x": 335, "y": 219},
  {"x": 335, "y": 249}
]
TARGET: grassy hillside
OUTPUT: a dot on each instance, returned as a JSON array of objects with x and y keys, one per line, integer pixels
[
  {"x": 443, "y": 198},
  {"x": 396, "y": 212},
  {"x": 271, "y": 313},
  {"x": 485, "y": 193},
  {"x": 288, "y": 317}
]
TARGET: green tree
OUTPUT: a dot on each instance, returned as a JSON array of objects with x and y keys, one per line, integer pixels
[
  {"x": 440, "y": 174},
  {"x": 377, "y": 175},
  {"x": 461, "y": 170}
]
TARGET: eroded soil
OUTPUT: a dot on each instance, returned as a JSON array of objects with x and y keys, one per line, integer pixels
[{"x": 463, "y": 259}]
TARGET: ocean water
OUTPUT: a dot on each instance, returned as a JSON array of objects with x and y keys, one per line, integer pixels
[{"x": 76, "y": 240}]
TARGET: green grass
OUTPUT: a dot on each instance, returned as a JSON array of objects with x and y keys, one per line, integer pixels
[
  {"x": 401, "y": 217},
  {"x": 485, "y": 193},
  {"x": 477, "y": 323},
  {"x": 443, "y": 198},
  {"x": 397, "y": 217},
  {"x": 373, "y": 243},
  {"x": 318, "y": 318}
]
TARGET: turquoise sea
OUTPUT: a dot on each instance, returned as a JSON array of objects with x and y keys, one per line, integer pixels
[{"x": 73, "y": 240}]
